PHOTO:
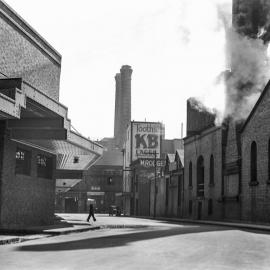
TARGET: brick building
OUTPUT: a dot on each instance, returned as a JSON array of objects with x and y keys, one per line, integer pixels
[
  {"x": 255, "y": 169},
  {"x": 101, "y": 184},
  {"x": 37, "y": 145}
]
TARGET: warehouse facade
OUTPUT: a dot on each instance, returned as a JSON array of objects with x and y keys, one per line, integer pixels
[{"x": 37, "y": 145}]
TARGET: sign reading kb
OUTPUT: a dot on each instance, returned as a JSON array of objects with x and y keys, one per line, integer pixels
[{"x": 146, "y": 140}]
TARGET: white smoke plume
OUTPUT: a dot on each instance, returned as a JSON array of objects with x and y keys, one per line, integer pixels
[
  {"x": 245, "y": 71},
  {"x": 250, "y": 72}
]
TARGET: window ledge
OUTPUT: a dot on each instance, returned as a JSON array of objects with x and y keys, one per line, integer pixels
[{"x": 253, "y": 183}]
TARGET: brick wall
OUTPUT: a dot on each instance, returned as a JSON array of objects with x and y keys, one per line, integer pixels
[
  {"x": 25, "y": 200},
  {"x": 206, "y": 144},
  {"x": 256, "y": 199},
  {"x": 22, "y": 56},
  {"x": 232, "y": 174}
]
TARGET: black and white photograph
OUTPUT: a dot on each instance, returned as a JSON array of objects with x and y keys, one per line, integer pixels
[{"x": 135, "y": 135}]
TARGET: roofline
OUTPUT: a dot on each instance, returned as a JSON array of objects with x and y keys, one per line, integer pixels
[
  {"x": 255, "y": 106},
  {"x": 17, "y": 22},
  {"x": 145, "y": 122},
  {"x": 205, "y": 132}
]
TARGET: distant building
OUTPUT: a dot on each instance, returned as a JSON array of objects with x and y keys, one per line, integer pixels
[
  {"x": 107, "y": 192},
  {"x": 102, "y": 185},
  {"x": 144, "y": 147},
  {"x": 37, "y": 146}
]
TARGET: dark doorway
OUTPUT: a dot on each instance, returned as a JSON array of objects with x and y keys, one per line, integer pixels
[
  {"x": 199, "y": 210},
  {"x": 71, "y": 205}
]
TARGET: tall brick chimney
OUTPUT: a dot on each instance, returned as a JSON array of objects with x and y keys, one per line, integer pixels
[
  {"x": 122, "y": 104},
  {"x": 118, "y": 106}
]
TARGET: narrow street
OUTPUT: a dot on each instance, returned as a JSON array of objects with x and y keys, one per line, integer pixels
[{"x": 133, "y": 243}]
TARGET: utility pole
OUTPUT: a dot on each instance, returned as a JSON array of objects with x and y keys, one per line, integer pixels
[{"x": 155, "y": 184}]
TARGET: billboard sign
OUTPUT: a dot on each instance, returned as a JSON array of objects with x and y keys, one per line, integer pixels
[{"x": 146, "y": 139}]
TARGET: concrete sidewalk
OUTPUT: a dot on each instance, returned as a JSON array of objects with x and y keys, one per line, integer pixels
[
  {"x": 64, "y": 224},
  {"x": 74, "y": 223},
  {"x": 247, "y": 226}
]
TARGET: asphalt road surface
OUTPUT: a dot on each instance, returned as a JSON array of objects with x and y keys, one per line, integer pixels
[{"x": 143, "y": 244}]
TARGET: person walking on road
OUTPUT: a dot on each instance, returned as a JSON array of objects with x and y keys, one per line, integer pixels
[{"x": 91, "y": 213}]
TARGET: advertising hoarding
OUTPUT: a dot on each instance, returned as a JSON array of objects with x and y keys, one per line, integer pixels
[{"x": 146, "y": 139}]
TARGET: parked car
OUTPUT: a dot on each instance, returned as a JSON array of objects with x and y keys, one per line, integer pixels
[{"x": 114, "y": 210}]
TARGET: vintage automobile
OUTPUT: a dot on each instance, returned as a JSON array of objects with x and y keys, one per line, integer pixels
[{"x": 114, "y": 210}]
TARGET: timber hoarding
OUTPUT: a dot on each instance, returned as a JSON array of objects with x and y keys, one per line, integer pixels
[{"x": 146, "y": 139}]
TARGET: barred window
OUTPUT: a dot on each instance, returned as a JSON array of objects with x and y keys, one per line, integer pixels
[
  {"x": 23, "y": 162},
  {"x": 44, "y": 166}
]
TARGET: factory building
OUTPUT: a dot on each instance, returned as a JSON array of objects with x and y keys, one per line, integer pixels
[
  {"x": 37, "y": 145},
  {"x": 227, "y": 166}
]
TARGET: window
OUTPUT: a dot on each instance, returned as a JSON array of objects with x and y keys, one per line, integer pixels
[
  {"x": 109, "y": 181},
  {"x": 210, "y": 207},
  {"x": 190, "y": 174},
  {"x": 44, "y": 166},
  {"x": 76, "y": 159},
  {"x": 23, "y": 162},
  {"x": 200, "y": 177},
  {"x": 211, "y": 173},
  {"x": 190, "y": 207},
  {"x": 253, "y": 162}
]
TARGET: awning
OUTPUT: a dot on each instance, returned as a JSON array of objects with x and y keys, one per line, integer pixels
[{"x": 41, "y": 122}]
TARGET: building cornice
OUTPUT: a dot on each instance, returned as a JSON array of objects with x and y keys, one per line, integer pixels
[
  {"x": 204, "y": 133},
  {"x": 18, "y": 23}
]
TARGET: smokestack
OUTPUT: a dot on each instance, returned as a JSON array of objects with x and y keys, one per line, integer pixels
[
  {"x": 247, "y": 49},
  {"x": 198, "y": 118},
  {"x": 117, "y": 112},
  {"x": 122, "y": 115},
  {"x": 251, "y": 18},
  {"x": 125, "y": 113}
]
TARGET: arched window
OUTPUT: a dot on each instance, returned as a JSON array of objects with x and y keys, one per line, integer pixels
[
  {"x": 253, "y": 162},
  {"x": 211, "y": 173},
  {"x": 200, "y": 177},
  {"x": 190, "y": 174}
]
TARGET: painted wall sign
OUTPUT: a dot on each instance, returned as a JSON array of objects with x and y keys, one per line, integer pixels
[
  {"x": 150, "y": 163},
  {"x": 146, "y": 140}
]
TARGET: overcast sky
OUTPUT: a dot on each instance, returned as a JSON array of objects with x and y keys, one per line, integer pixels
[{"x": 175, "y": 48}]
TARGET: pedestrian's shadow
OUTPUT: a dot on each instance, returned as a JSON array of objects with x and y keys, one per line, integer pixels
[{"x": 123, "y": 239}]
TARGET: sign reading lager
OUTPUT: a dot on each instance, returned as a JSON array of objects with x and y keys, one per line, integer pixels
[{"x": 146, "y": 138}]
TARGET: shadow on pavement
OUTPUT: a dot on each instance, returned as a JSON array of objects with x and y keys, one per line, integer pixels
[{"x": 118, "y": 239}]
